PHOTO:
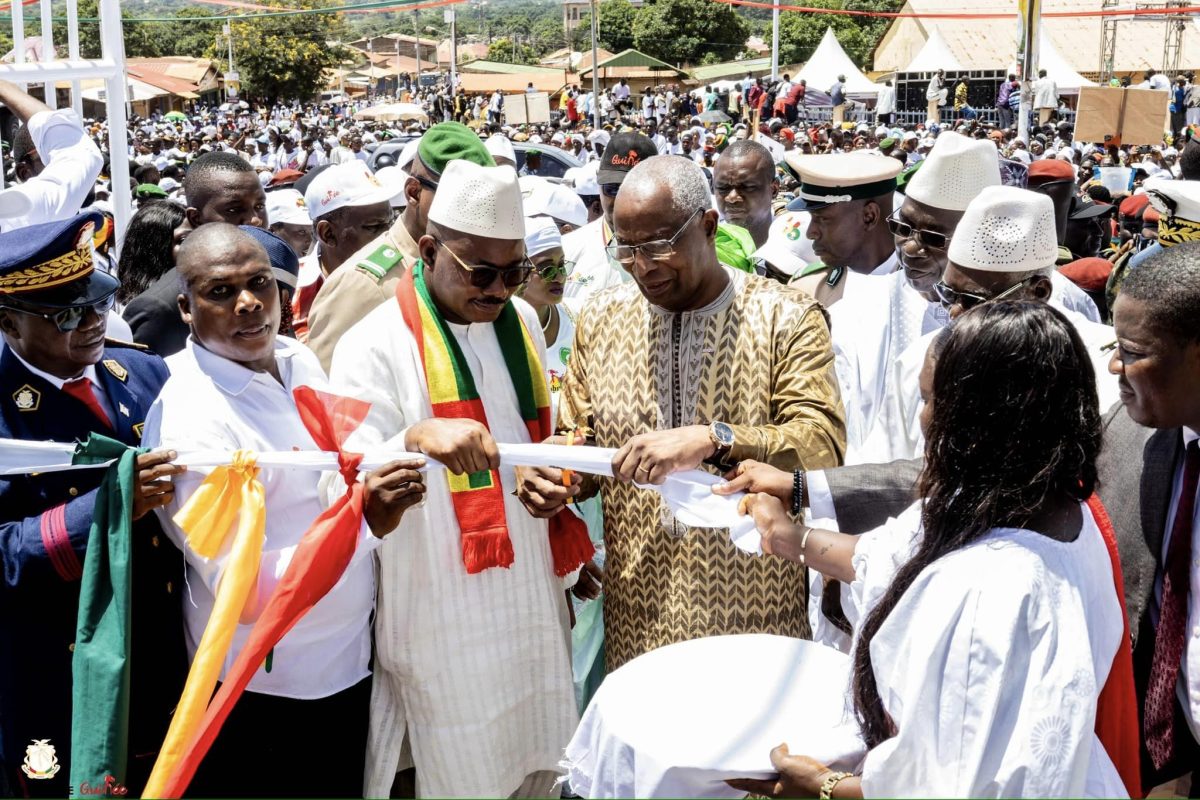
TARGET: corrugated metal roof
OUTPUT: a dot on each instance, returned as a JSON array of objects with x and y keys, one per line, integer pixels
[
  {"x": 634, "y": 58},
  {"x": 503, "y": 68},
  {"x": 730, "y": 69}
]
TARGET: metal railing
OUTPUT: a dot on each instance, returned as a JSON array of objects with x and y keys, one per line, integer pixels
[{"x": 110, "y": 68}]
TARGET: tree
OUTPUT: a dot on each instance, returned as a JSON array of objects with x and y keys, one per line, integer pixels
[
  {"x": 286, "y": 57},
  {"x": 799, "y": 34},
  {"x": 683, "y": 31},
  {"x": 616, "y": 25},
  {"x": 503, "y": 50}
]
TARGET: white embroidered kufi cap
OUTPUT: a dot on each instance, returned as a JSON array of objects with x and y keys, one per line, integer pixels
[
  {"x": 956, "y": 170},
  {"x": 1006, "y": 229},
  {"x": 479, "y": 201},
  {"x": 500, "y": 147}
]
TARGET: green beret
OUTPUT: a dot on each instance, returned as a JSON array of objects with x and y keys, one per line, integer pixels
[
  {"x": 448, "y": 141},
  {"x": 906, "y": 175},
  {"x": 150, "y": 190},
  {"x": 888, "y": 142}
]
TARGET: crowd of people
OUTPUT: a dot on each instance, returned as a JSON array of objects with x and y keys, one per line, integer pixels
[{"x": 949, "y": 369}]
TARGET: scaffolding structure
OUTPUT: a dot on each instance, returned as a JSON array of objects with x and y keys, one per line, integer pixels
[
  {"x": 1176, "y": 22},
  {"x": 110, "y": 68}
]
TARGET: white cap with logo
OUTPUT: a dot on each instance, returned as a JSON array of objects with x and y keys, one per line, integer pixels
[
  {"x": 286, "y": 206},
  {"x": 343, "y": 185}
]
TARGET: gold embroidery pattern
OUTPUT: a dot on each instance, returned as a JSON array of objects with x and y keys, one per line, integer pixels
[{"x": 55, "y": 272}]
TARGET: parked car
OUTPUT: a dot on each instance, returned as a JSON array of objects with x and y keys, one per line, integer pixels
[
  {"x": 385, "y": 153},
  {"x": 555, "y": 162}
]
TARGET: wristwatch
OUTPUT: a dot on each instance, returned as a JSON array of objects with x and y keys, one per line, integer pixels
[{"x": 721, "y": 436}]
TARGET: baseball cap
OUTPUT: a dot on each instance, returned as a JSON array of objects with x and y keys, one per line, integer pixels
[
  {"x": 624, "y": 152},
  {"x": 286, "y": 206},
  {"x": 346, "y": 185}
]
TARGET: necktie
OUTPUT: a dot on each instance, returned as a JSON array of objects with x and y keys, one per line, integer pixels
[
  {"x": 1171, "y": 632},
  {"x": 81, "y": 389}
]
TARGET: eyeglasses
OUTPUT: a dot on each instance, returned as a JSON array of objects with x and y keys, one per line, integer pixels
[
  {"x": 610, "y": 189},
  {"x": 555, "y": 272},
  {"x": 930, "y": 239},
  {"x": 68, "y": 319},
  {"x": 656, "y": 250},
  {"x": 950, "y": 297},
  {"x": 483, "y": 277},
  {"x": 428, "y": 184}
]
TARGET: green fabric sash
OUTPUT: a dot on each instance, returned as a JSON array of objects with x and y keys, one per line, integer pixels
[{"x": 101, "y": 664}]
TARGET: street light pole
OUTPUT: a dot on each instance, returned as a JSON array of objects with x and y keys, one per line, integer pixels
[
  {"x": 775, "y": 40},
  {"x": 595, "y": 72}
]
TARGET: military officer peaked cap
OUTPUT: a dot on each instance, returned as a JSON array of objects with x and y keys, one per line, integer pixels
[
  {"x": 841, "y": 178},
  {"x": 53, "y": 264}
]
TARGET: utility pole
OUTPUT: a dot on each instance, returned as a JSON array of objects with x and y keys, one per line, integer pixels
[
  {"x": 595, "y": 71},
  {"x": 452, "y": 18},
  {"x": 775, "y": 40},
  {"x": 416, "y": 44}
]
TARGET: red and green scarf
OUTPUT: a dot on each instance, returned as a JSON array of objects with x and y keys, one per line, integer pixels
[{"x": 479, "y": 497}]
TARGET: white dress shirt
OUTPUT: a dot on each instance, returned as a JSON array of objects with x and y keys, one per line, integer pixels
[{"x": 211, "y": 402}]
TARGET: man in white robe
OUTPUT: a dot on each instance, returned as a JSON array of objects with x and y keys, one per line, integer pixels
[
  {"x": 473, "y": 669},
  {"x": 874, "y": 324},
  {"x": 1004, "y": 249}
]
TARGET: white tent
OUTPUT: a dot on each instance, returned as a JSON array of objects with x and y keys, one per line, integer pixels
[
  {"x": 827, "y": 62},
  {"x": 935, "y": 54},
  {"x": 1058, "y": 69}
]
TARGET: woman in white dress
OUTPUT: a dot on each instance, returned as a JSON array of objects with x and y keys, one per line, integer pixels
[
  {"x": 989, "y": 618},
  {"x": 544, "y": 291}
]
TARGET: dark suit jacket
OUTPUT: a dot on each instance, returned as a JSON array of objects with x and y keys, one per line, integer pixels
[
  {"x": 154, "y": 316},
  {"x": 1136, "y": 473},
  {"x": 1136, "y": 470},
  {"x": 45, "y": 521}
]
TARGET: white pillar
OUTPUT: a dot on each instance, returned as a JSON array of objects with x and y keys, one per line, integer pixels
[
  {"x": 595, "y": 72},
  {"x": 775, "y": 41}
]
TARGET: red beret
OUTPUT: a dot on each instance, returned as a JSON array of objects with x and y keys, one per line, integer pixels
[
  {"x": 1132, "y": 206},
  {"x": 1089, "y": 274},
  {"x": 1051, "y": 169},
  {"x": 788, "y": 134},
  {"x": 285, "y": 176}
]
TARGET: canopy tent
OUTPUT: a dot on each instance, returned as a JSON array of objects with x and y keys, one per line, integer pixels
[
  {"x": 823, "y": 67},
  {"x": 935, "y": 54},
  {"x": 1065, "y": 78}
]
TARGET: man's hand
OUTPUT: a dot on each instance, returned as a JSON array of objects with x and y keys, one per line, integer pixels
[
  {"x": 651, "y": 457},
  {"x": 590, "y": 583},
  {"x": 799, "y": 776},
  {"x": 541, "y": 490},
  {"x": 754, "y": 476},
  {"x": 463, "y": 445},
  {"x": 390, "y": 491},
  {"x": 154, "y": 486},
  {"x": 780, "y": 536}
]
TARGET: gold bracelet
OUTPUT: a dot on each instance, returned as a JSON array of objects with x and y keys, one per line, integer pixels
[{"x": 831, "y": 782}]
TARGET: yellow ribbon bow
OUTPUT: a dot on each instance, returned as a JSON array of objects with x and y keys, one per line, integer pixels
[{"x": 229, "y": 494}]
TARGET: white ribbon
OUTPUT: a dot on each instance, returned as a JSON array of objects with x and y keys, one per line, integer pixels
[{"x": 689, "y": 493}]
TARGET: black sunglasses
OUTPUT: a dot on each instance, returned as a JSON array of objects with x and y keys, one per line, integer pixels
[
  {"x": 610, "y": 189},
  {"x": 428, "y": 184},
  {"x": 931, "y": 239},
  {"x": 68, "y": 319},
  {"x": 950, "y": 298},
  {"x": 483, "y": 277}
]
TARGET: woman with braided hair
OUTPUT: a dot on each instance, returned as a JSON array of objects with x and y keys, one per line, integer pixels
[{"x": 989, "y": 621}]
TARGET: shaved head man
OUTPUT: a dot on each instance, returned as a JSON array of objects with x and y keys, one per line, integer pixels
[{"x": 745, "y": 184}]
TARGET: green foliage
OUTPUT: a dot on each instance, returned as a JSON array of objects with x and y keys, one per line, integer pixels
[
  {"x": 286, "y": 57},
  {"x": 503, "y": 50},
  {"x": 616, "y": 25},
  {"x": 799, "y": 34},
  {"x": 684, "y": 31}
]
